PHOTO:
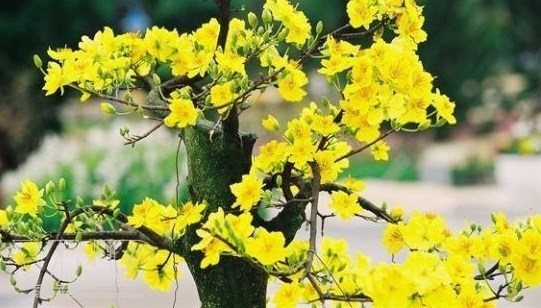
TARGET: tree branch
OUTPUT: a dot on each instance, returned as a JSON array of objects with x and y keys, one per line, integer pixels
[
  {"x": 316, "y": 182},
  {"x": 365, "y": 204}
]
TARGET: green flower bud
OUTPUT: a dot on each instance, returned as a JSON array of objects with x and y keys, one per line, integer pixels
[
  {"x": 252, "y": 20},
  {"x": 156, "y": 79},
  {"x": 79, "y": 270},
  {"x": 49, "y": 187},
  {"x": 266, "y": 16},
  {"x": 424, "y": 126},
  {"x": 107, "y": 108},
  {"x": 319, "y": 27},
  {"x": 61, "y": 184},
  {"x": 37, "y": 62}
]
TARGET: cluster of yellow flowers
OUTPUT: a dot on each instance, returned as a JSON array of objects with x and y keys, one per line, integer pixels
[
  {"x": 383, "y": 83},
  {"x": 439, "y": 267}
]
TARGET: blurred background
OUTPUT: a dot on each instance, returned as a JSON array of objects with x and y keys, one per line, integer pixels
[{"x": 485, "y": 55}]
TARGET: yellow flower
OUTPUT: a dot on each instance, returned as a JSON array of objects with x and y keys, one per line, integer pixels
[
  {"x": 397, "y": 213},
  {"x": 335, "y": 64},
  {"x": 459, "y": 268},
  {"x": 271, "y": 156},
  {"x": 29, "y": 199},
  {"x": 380, "y": 151},
  {"x": 391, "y": 286},
  {"x": 92, "y": 249},
  {"x": 297, "y": 130},
  {"x": 157, "y": 42},
  {"x": 3, "y": 218},
  {"x": 183, "y": 113},
  {"x": 345, "y": 205},
  {"x": 424, "y": 231},
  {"x": 328, "y": 168},
  {"x": 267, "y": 247},
  {"x": 248, "y": 191},
  {"x": 221, "y": 96},
  {"x": 130, "y": 264},
  {"x": 527, "y": 269},
  {"x": 160, "y": 275},
  {"x": 211, "y": 246},
  {"x": 361, "y": 13},
  {"x": 290, "y": 84},
  {"x": 444, "y": 107},
  {"x": 410, "y": 23},
  {"x": 229, "y": 61},
  {"x": 207, "y": 35},
  {"x": 301, "y": 152},
  {"x": 54, "y": 79},
  {"x": 393, "y": 238},
  {"x": 26, "y": 254},
  {"x": 146, "y": 213},
  {"x": 270, "y": 123},
  {"x": 298, "y": 27},
  {"x": 324, "y": 125},
  {"x": 530, "y": 243},
  {"x": 288, "y": 295},
  {"x": 189, "y": 214}
]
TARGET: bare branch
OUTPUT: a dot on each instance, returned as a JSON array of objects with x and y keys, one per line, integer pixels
[{"x": 316, "y": 182}]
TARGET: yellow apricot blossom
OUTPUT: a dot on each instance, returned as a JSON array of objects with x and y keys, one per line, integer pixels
[
  {"x": 3, "y": 218},
  {"x": 247, "y": 192},
  {"x": 158, "y": 41},
  {"x": 444, "y": 107},
  {"x": 271, "y": 157},
  {"x": 92, "y": 250},
  {"x": 270, "y": 123},
  {"x": 221, "y": 96},
  {"x": 324, "y": 125},
  {"x": 206, "y": 36},
  {"x": 424, "y": 231},
  {"x": 146, "y": 213},
  {"x": 266, "y": 247},
  {"x": 29, "y": 199},
  {"x": 290, "y": 84},
  {"x": 298, "y": 27},
  {"x": 160, "y": 270},
  {"x": 361, "y": 13},
  {"x": 393, "y": 237},
  {"x": 288, "y": 295},
  {"x": 380, "y": 151},
  {"x": 345, "y": 205},
  {"x": 329, "y": 169},
  {"x": 301, "y": 152},
  {"x": 229, "y": 61},
  {"x": 26, "y": 254},
  {"x": 183, "y": 113},
  {"x": 55, "y": 79}
]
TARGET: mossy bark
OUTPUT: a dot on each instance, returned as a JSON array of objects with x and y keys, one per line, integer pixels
[{"x": 215, "y": 161}]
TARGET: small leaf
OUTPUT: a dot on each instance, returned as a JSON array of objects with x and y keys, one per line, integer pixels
[{"x": 79, "y": 270}]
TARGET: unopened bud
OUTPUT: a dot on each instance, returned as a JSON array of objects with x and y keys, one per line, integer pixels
[
  {"x": 266, "y": 16},
  {"x": 61, "y": 184},
  {"x": 319, "y": 27},
  {"x": 252, "y": 20},
  {"x": 37, "y": 62},
  {"x": 107, "y": 108},
  {"x": 49, "y": 187}
]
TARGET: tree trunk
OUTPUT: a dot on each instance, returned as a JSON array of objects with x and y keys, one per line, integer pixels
[{"x": 216, "y": 161}]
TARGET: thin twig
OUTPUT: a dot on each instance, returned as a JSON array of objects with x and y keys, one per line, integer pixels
[{"x": 316, "y": 182}]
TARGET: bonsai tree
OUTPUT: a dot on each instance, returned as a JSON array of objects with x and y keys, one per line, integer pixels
[{"x": 238, "y": 228}]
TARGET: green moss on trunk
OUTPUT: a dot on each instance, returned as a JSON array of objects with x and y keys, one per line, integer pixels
[{"x": 215, "y": 161}]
